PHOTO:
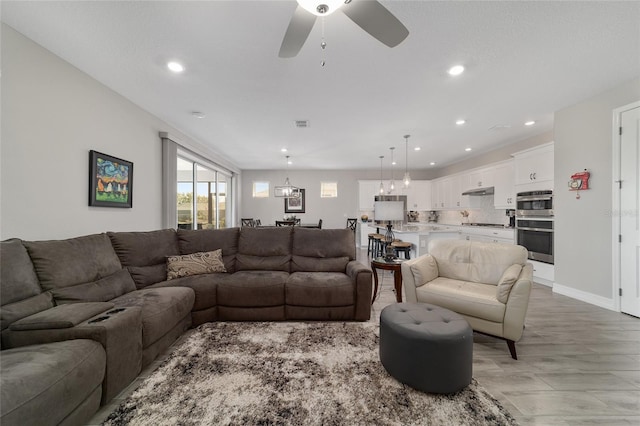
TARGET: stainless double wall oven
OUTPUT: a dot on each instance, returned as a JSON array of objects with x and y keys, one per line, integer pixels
[{"x": 534, "y": 224}]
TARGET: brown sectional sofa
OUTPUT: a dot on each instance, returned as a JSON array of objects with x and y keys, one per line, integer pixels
[{"x": 81, "y": 317}]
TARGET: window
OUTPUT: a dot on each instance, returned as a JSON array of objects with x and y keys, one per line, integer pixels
[
  {"x": 328, "y": 189},
  {"x": 260, "y": 189}
]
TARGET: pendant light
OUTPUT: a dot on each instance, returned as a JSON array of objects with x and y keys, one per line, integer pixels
[
  {"x": 392, "y": 185},
  {"x": 381, "y": 184},
  {"x": 407, "y": 177},
  {"x": 287, "y": 190}
]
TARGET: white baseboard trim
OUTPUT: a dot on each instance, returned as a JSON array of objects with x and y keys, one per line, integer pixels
[{"x": 583, "y": 296}]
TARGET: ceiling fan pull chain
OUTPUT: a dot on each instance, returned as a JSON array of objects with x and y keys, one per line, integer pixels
[{"x": 323, "y": 45}]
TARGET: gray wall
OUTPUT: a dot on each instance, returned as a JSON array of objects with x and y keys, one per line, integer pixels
[
  {"x": 52, "y": 115},
  {"x": 583, "y": 237}
]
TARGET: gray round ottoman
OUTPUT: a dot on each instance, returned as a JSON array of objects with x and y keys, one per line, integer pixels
[{"x": 426, "y": 347}]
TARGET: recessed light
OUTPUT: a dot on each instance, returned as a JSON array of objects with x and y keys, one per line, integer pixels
[
  {"x": 283, "y": 150},
  {"x": 456, "y": 70},
  {"x": 198, "y": 114},
  {"x": 530, "y": 123},
  {"x": 289, "y": 162},
  {"x": 175, "y": 66},
  {"x": 433, "y": 163},
  {"x": 460, "y": 122},
  {"x": 417, "y": 148},
  {"x": 467, "y": 149}
]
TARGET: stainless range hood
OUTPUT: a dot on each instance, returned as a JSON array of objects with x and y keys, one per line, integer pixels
[{"x": 479, "y": 191}]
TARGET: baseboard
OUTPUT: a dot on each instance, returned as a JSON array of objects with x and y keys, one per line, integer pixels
[{"x": 583, "y": 296}]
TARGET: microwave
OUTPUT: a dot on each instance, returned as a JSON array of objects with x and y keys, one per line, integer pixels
[{"x": 534, "y": 203}]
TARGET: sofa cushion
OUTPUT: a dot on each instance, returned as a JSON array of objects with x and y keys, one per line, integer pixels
[
  {"x": 43, "y": 384},
  {"x": 192, "y": 241},
  {"x": 162, "y": 309},
  {"x": 198, "y": 263},
  {"x": 101, "y": 290},
  {"x": 318, "y": 264},
  {"x": 267, "y": 249},
  {"x": 64, "y": 263},
  {"x": 319, "y": 289},
  {"x": 475, "y": 261},
  {"x": 323, "y": 243},
  {"x": 508, "y": 279},
  {"x": 145, "y": 253},
  {"x": 464, "y": 297},
  {"x": 253, "y": 289},
  {"x": 15, "y": 311},
  {"x": 205, "y": 288},
  {"x": 424, "y": 270},
  {"x": 17, "y": 276},
  {"x": 63, "y": 316}
]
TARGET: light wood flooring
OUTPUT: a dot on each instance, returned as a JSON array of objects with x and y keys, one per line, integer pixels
[{"x": 578, "y": 364}]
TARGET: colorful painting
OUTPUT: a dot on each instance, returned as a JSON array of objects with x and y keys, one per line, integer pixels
[{"x": 110, "y": 181}]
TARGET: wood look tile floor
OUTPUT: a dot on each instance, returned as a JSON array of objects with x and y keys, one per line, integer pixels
[{"x": 578, "y": 364}]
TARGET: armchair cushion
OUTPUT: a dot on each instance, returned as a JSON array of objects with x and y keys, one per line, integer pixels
[
  {"x": 424, "y": 270},
  {"x": 508, "y": 279}
]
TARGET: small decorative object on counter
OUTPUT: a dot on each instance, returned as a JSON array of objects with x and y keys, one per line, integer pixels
[
  {"x": 364, "y": 218},
  {"x": 465, "y": 216}
]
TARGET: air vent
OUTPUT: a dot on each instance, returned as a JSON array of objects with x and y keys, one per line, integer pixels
[
  {"x": 500, "y": 127},
  {"x": 302, "y": 123}
]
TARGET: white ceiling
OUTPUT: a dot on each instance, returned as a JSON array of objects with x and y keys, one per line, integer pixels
[{"x": 524, "y": 60}]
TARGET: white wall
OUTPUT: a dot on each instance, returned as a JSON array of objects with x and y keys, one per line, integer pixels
[
  {"x": 583, "y": 237},
  {"x": 52, "y": 115},
  {"x": 332, "y": 211}
]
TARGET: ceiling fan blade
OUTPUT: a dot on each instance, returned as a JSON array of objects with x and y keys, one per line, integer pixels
[
  {"x": 297, "y": 32},
  {"x": 375, "y": 19}
]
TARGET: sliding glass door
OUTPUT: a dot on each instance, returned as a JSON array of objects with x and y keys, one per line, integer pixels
[{"x": 203, "y": 205}]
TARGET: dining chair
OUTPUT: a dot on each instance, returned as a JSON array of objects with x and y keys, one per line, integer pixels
[
  {"x": 352, "y": 223},
  {"x": 248, "y": 221}
]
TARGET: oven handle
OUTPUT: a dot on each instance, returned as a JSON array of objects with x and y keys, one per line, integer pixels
[
  {"x": 534, "y": 198},
  {"x": 535, "y": 229}
]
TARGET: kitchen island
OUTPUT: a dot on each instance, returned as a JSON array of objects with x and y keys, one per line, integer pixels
[{"x": 420, "y": 234}]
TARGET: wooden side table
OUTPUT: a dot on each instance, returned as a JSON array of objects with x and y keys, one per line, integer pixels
[{"x": 393, "y": 265}]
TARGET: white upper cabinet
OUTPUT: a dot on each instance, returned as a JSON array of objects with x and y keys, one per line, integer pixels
[
  {"x": 418, "y": 195},
  {"x": 446, "y": 193},
  {"x": 481, "y": 178},
  {"x": 504, "y": 184},
  {"x": 534, "y": 168},
  {"x": 367, "y": 190}
]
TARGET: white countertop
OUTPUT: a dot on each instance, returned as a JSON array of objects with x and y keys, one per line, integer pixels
[{"x": 427, "y": 228}]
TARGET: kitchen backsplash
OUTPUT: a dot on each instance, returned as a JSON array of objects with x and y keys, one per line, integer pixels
[{"x": 482, "y": 212}]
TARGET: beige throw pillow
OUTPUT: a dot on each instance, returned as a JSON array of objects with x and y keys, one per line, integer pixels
[
  {"x": 424, "y": 270},
  {"x": 509, "y": 278},
  {"x": 194, "y": 264}
]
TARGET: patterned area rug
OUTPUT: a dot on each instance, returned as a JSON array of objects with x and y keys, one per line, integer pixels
[{"x": 292, "y": 374}]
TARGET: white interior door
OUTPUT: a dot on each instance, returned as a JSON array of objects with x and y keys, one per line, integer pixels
[{"x": 630, "y": 212}]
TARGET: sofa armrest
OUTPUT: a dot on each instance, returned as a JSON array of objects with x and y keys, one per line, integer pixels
[
  {"x": 63, "y": 316},
  {"x": 517, "y": 304},
  {"x": 362, "y": 277},
  {"x": 416, "y": 273}
]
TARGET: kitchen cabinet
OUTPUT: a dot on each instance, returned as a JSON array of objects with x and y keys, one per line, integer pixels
[
  {"x": 446, "y": 194},
  {"x": 534, "y": 168},
  {"x": 367, "y": 190},
  {"x": 481, "y": 178},
  {"x": 543, "y": 273},
  {"x": 418, "y": 195},
  {"x": 488, "y": 234},
  {"x": 505, "y": 189}
]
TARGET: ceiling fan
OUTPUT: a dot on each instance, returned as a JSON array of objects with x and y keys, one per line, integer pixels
[{"x": 369, "y": 15}]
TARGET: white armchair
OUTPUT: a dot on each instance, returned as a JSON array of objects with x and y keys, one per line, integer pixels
[{"x": 487, "y": 283}]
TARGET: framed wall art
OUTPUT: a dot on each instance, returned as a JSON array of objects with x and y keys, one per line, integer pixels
[
  {"x": 110, "y": 181},
  {"x": 295, "y": 205}
]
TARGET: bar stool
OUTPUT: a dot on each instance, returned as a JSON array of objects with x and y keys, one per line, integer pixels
[
  {"x": 402, "y": 246},
  {"x": 371, "y": 243},
  {"x": 378, "y": 245}
]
